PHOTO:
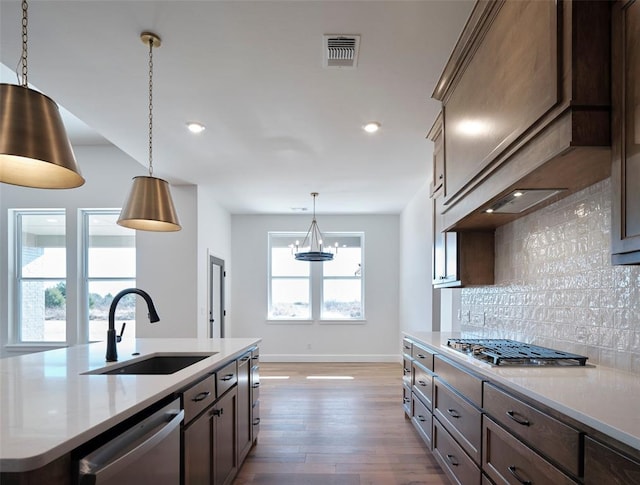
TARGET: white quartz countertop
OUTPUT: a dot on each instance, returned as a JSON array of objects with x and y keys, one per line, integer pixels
[
  {"x": 48, "y": 406},
  {"x": 602, "y": 398}
]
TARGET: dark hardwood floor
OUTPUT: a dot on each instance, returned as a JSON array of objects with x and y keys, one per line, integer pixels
[{"x": 335, "y": 431}]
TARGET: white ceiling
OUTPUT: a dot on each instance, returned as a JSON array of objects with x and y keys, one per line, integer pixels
[{"x": 279, "y": 125}]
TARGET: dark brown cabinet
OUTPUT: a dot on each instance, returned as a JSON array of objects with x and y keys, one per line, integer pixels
[
  {"x": 224, "y": 438},
  {"x": 197, "y": 451},
  {"x": 603, "y": 464},
  {"x": 625, "y": 173},
  {"x": 245, "y": 405}
]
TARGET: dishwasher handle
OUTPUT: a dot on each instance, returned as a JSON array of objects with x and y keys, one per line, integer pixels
[{"x": 108, "y": 463}]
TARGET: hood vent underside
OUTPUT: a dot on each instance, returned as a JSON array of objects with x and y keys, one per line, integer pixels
[
  {"x": 341, "y": 51},
  {"x": 520, "y": 200}
]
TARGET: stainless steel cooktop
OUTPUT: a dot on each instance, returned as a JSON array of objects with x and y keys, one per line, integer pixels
[{"x": 511, "y": 352}]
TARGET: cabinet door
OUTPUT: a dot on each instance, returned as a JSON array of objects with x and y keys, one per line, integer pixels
[
  {"x": 225, "y": 457},
  {"x": 625, "y": 220},
  {"x": 244, "y": 406},
  {"x": 197, "y": 451},
  {"x": 605, "y": 465}
]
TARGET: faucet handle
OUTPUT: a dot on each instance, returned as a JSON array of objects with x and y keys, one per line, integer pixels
[{"x": 119, "y": 337}]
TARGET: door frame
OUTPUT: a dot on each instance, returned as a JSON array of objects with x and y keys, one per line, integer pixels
[{"x": 217, "y": 262}]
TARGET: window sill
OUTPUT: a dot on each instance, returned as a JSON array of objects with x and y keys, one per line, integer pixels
[
  {"x": 33, "y": 347},
  {"x": 285, "y": 321},
  {"x": 321, "y": 322}
]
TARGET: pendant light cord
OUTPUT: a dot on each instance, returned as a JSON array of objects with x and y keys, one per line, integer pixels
[
  {"x": 21, "y": 70},
  {"x": 150, "y": 107}
]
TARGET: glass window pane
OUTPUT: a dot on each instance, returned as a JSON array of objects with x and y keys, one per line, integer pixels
[
  {"x": 342, "y": 299},
  {"x": 43, "y": 310},
  {"x": 345, "y": 263},
  {"x": 101, "y": 295},
  {"x": 112, "y": 248},
  {"x": 290, "y": 298},
  {"x": 283, "y": 263},
  {"x": 112, "y": 262},
  {"x": 43, "y": 246}
]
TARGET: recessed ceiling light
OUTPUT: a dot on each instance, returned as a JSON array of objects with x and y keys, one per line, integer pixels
[
  {"x": 195, "y": 127},
  {"x": 371, "y": 127}
]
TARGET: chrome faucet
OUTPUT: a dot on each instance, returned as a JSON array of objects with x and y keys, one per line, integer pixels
[{"x": 112, "y": 353}]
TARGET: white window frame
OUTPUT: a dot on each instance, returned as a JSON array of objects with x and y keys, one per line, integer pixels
[
  {"x": 15, "y": 337},
  {"x": 316, "y": 282}
]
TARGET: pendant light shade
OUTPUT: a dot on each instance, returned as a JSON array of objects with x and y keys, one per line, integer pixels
[
  {"x": 149, "y": 206},
  {"x": 34, "y": 148}
]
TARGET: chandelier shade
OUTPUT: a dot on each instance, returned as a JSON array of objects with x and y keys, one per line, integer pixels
[
  {"x": 149, "y": 206},
  {"x": 313, "y": 242},
  {"x": 35, "y": 150}
]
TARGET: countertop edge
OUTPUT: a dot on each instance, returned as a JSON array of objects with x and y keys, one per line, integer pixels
[
  {"x": 486, "y": 370},
  {"x": 192, "y": 373}
]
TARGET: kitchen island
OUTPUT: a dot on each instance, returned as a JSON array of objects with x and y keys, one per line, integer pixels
[
  {"x": 579, "y": 423},
  {"x": 50, "y": 406}
]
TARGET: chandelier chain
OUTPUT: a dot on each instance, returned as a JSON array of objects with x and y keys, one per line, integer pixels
[
  {"x": 150, "y": 106},
  {"x": 25, "y": 38}
]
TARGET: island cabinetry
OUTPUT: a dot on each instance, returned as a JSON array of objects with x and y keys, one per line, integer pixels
[
  {"x": 506, "y": 460},
  {"x": 420, "y": 370},
  {"x": 245, "y": 406},
  {"x": 526, "y": 103},
  {"x": 606, "y": 465},
  {"x": 255, "y": 394},
  {"x": 554, "y": 439},
  {"x": 224, "y": 438},
  {"x": 625, "y": 174},
  {"x": 454, "y": 461}
]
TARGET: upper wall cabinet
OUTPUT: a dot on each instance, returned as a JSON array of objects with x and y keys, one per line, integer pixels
[
  {"x": 526, "y": 105},
  {"x": 625, "y": 177}
]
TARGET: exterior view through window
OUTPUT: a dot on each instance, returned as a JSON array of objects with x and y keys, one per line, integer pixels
[
  {"x": 331, "y": 290},
  {"x": 41, "y": 276},
  {"x": 110, "y": 263}
]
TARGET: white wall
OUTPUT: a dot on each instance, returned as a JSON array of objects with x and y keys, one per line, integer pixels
[
  {"x": 172, "y": 267},
  {"x": 417, "y": 309},
  {"x": 375, "y": 340}
]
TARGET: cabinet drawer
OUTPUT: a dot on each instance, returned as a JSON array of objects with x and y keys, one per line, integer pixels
[
  {"x": 406, "y": 346},
  {"x": 558, "y": 441},
  {"x": 507, "y": 460},
  {"x": 255, "y": 384},
  {"x": 255, "y": 423},
  {"x": 198, "y": 397},
  {"x": 462, "y": 420},
  {"x": 406, "y": 400},
  {"x": 226, "y": 378},
  {"x": 455, "y": 462},
  {"x": 422, "y": 355},
  {"x": 467, "y": 384},
  {"x": 255, "y": 356},
  {"x": 605, "y": 465},
  {"x": 422, "y": 419},
  {"x": 423, "y": 384},
  {"x": 406, "y": 371}
]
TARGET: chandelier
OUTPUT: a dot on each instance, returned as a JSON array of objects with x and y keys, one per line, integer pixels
[{"x": 312, "y": 245}]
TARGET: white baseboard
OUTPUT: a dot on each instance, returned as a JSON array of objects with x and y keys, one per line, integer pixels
[{"x": 330, "y": 358}]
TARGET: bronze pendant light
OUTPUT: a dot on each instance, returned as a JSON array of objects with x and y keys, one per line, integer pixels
[
  {"x": 149, "y": 206},
  {"x": 34, "y": 148}
]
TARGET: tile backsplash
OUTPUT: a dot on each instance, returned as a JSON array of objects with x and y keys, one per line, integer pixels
[{"x": 556, "y": 287}]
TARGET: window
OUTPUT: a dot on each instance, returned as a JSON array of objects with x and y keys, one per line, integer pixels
[
  {"x": 110, "y": 266},
  {"x": 41, "y": 273},
  {"x": 329, "y": 291}
]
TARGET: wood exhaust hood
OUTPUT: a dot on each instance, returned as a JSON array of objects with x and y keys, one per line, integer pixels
[{"x": 526, "y": 100}]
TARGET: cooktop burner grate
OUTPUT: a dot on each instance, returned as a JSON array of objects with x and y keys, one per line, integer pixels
[{"x": 511, "y": 352}]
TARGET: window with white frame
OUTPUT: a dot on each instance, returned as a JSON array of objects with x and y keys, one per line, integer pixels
[
  {"x": 327, "y": 291},
  {"x": 41, "y": 276},
  {"x": 109, "y": 267}
]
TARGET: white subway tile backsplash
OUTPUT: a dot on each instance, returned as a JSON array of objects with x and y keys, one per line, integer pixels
[{"x": 555, "y": 285}]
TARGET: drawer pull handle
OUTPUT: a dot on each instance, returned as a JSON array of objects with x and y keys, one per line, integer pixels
[
  {"x": 514, "y": 416},
  {"x": 244, "y": 359},
  {"x": 421, "y": 418},
  {"x": 453, "y": 413},
  {"x": 228, "y": 377},
  {"x": 406, "y": 399},
  {"x": 201, "y": 397},
  {"x": 218, "y": 412},
  {"x": 255, "y": 357},
  {"x": 256, "y": 385},
  {"x": 422, "y": 383},
  {"x": 514, "y": 472},
  {"x": 256, "y": 421},
  {"x": 452, "y": 459},
  {"x": 422, "y": 356},
  {"x": 406, "y": 371}
]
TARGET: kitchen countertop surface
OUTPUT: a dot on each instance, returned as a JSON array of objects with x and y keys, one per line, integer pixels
[
  {"x": 48, "y": 407},
  {"x": 605, "y": 399}
]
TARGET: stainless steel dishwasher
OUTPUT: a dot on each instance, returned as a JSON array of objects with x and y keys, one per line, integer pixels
[{"x": 147, "y": 452}]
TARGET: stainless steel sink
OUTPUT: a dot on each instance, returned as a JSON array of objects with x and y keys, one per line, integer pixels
[{"x": 162, "y": 364}]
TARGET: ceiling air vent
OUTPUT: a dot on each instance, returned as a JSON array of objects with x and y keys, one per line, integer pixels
[{"x": 341, "y": 51}]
